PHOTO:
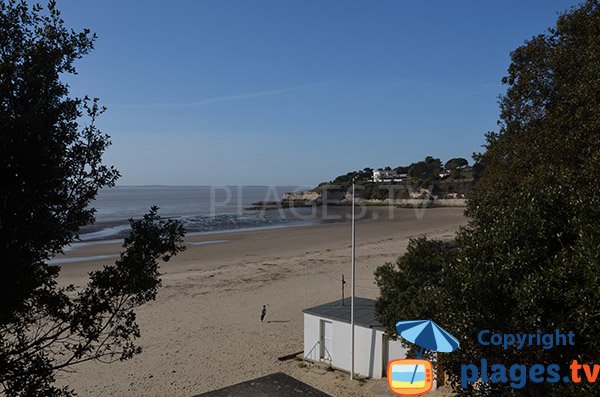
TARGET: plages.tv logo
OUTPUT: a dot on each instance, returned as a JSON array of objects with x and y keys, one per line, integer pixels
[
  {"x": 518, "y": 375},
  {"x": 414, "y": 377}
]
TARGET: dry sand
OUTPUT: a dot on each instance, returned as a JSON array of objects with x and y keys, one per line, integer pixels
[{"x": 204, "y": 332}]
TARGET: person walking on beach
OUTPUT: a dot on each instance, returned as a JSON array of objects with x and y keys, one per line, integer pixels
[{"x": 263, "y": 313}]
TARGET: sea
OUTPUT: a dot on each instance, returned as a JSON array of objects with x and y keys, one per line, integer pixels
[{"x": 201, "y": 209}]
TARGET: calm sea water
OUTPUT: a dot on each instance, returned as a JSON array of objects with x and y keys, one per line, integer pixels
[{"x": 201, "y": 208}]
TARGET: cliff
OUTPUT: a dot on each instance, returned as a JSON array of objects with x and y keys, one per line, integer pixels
[{"x": 310, "y": 198}]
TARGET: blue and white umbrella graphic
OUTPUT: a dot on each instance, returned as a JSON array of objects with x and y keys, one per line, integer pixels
[{"x": 428, "y": 335}]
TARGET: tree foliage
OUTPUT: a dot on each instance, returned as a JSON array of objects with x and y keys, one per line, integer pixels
[
  {"x": 402, "y": 282},
  {"x": 528, "y": 259},
  {"x": 51, "y": 169},
  {"x": 456, "y": 166},
  {"x": 402, "y": 169},
  {"x": 456, "y": 162},
  {"x": 344, "y": 181},
  {"x": 426, "y": 171}
]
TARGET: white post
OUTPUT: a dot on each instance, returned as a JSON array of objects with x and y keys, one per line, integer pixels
[{"x": 352, "y": 299}]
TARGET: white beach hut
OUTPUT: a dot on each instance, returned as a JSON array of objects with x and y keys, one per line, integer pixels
[{"x": 327, "y": 338}]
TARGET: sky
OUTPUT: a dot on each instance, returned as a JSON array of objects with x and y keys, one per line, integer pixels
[{"x": 281, "y": 92}]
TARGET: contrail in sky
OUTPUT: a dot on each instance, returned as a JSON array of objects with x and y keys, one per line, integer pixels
[{"x": 227, "y": 98}]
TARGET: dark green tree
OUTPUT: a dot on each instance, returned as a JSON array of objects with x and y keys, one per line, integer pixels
[
  {"x": 425, "y": 172},
  {"x": 402, "y": 169},
  {"x": 528, "y": 260},
  {"x": 456, "y": 162},
  {"x": 50, "y": 170},
  {"x": 402, "y": 282},
  {"x": 456, "y": 165}
]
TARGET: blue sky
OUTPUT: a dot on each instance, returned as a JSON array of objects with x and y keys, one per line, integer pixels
[{"x": 295, "y": 92}]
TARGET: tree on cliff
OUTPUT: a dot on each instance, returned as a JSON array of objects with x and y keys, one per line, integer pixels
[
  {"x": 425, "y": 172},
  {"x": 51, "y": 169},
  {"x": 528, "y": 259},
  {"x": 456, "y": 163},
  {"x": 455, "y": 166}
]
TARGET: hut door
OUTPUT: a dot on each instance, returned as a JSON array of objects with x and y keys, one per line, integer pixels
[{"x": 326, "y": 339}]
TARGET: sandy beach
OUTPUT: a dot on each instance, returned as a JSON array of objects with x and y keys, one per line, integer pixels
[{"x": 204, "y": 332}]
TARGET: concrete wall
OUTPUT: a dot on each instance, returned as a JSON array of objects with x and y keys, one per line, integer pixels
[
  {"x": 370, "y": 348},
  {"x": 395, "y": 350}
]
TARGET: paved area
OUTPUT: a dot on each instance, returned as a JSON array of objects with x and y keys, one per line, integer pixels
[{"x": 274, "y": 385}]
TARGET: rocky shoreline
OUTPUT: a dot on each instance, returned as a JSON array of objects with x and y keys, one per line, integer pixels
[{"x": 340, "y": 198}]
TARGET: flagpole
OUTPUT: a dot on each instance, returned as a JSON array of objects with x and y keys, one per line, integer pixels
[
  {"x": 353, "y": 280},
  {"x": 305, "y": 288}
]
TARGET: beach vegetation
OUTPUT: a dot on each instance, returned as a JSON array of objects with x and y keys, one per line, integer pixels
[
  {"x": 51, "y": 168},
  {"x": 528, "y": 259}
]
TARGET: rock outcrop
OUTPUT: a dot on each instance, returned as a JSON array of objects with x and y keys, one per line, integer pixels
[{"x": 310, "y": 196}]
